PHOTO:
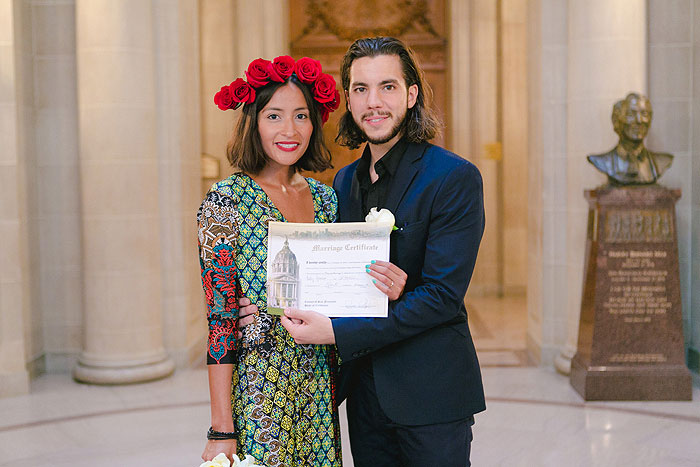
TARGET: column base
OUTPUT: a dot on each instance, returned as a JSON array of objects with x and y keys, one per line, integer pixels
[{"x": 95, "y": 373}]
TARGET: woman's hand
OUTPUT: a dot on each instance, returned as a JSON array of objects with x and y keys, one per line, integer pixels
[
  {"x": 215, "y": 447},
  {"x": 246, "y": 314},
  {"x": 388, "y": 278}
]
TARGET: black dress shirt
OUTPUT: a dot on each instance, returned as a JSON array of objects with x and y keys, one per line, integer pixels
[{"x": 375, "y": 194}]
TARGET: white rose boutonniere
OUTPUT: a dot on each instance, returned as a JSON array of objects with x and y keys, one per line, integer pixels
[
  {"x": 222, "y": 461},
  {"x": 383, "y": 216}
]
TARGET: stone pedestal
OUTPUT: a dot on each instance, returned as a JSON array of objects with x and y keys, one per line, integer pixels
[{"x": 630, "y": 340}]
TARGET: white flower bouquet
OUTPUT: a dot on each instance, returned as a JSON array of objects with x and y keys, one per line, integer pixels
[{"x": 222, "y": 461}]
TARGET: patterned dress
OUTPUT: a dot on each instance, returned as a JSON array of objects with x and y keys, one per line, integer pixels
[{"x": 283, "y": 402}]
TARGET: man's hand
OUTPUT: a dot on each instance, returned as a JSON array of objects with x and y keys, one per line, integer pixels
[
  {"x": 308, "y": 327},
  {"x": 246, "y": 314}
]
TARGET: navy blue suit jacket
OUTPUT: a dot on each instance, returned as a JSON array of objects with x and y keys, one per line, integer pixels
[{"x": 425, "y": 365}]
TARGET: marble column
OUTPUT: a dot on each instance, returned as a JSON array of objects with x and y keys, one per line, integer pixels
[
  {"x": 123, "y": 330},
  {"x": 262, "y": 30},
  {"x": 607, "y": 52},
  {"x": 484, "y": 107}
]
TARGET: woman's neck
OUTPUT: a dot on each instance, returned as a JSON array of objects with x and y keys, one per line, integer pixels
[{"x": 278, "y": 175}]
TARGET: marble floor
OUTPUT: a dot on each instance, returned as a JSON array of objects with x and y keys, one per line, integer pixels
[{"x": 534, "y": 417}]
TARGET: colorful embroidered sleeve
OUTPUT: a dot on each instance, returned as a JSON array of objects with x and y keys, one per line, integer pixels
[{"x": 217, "y": 221}]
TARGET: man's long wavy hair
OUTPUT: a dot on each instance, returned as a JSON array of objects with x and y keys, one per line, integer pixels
[{"x": 421, "y": 123}]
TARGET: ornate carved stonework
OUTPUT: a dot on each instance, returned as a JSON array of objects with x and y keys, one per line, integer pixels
[{"x": 377, "y": 18}]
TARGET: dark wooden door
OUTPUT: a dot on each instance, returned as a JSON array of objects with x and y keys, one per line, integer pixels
[{"x": 324, "y": 29}]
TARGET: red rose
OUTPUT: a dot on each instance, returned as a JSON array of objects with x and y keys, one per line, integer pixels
[
  {"x": 308, "y": 69},
  {"x": 333, "y": 104},
  {"x": 224, "y": 98},
  {"x": 272, "y": 73},
  {"x": 324, "y": 88},
  {"x": 258, "y": 72},
  {"x": 328, "y": 107},
  {"x": 283, "y": 66},
  {"x": 242, "y": 91}
]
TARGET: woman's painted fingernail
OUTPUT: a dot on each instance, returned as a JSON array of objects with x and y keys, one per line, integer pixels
[
  {"x": 367, "y": 266},
  {"x": 374, "y": 261},
  {"x": 367, "y": 270},
  {"x": 374, "y": 281}
]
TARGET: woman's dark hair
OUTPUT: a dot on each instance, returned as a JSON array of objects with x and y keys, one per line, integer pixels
[
  {"x": 420, "y": 123},
  {"x": 245, "y": 150}
]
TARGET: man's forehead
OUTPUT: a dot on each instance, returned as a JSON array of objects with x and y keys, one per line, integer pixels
[{"x": 379, "y": 68}]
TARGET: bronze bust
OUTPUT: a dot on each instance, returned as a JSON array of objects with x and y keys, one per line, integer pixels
[{"x": 630, "y": 162}]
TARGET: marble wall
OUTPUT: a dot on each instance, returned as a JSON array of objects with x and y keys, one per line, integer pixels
[
  {"x": 233, "y": 33},
  {"x": 547, "y": 242},
  {"x": 56, "y": 180},
  {"x": 218, "y": 64},
  {"x": 694, "y": 286},
  {"x": 488, "y": 106},
  {"x": 674, "y": 45},
  {"x": 17, "y": 341},
  {"x": 514, "y": 134}
]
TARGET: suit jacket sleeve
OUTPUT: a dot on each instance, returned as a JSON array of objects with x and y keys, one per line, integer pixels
[{"x": 456, "y": 224}]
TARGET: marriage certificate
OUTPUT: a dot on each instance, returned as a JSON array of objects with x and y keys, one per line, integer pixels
[{"x": 321, "y": 267}]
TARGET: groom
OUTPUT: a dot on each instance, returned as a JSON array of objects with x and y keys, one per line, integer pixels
[{"x": 412, "y": 380}]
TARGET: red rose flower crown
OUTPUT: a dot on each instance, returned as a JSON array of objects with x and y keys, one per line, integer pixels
[{"x": 262, "y": 72}]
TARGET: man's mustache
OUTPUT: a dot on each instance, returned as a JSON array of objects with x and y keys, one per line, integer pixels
[{"x": 376, "y": 114}]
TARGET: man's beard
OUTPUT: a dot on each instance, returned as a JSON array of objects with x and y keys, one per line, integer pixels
[{"x": 398, "y": 128}]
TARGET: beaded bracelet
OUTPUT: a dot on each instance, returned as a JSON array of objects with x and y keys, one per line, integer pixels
[{"x": 221, "y": 435}]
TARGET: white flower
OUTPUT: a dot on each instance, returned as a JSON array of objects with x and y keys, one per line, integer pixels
[
  {"x": 383, "y": 216},
  {"x": 220, "y": 461}
]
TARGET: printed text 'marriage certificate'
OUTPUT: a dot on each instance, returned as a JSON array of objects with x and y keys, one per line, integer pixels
[{"x": 321, "y": 267}]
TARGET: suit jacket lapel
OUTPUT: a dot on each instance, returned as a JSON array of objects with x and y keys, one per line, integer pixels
[{"x": 407, "y": 170}]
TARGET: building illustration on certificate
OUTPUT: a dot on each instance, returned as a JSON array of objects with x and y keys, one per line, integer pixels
[{"x": 283, "y": 279}]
